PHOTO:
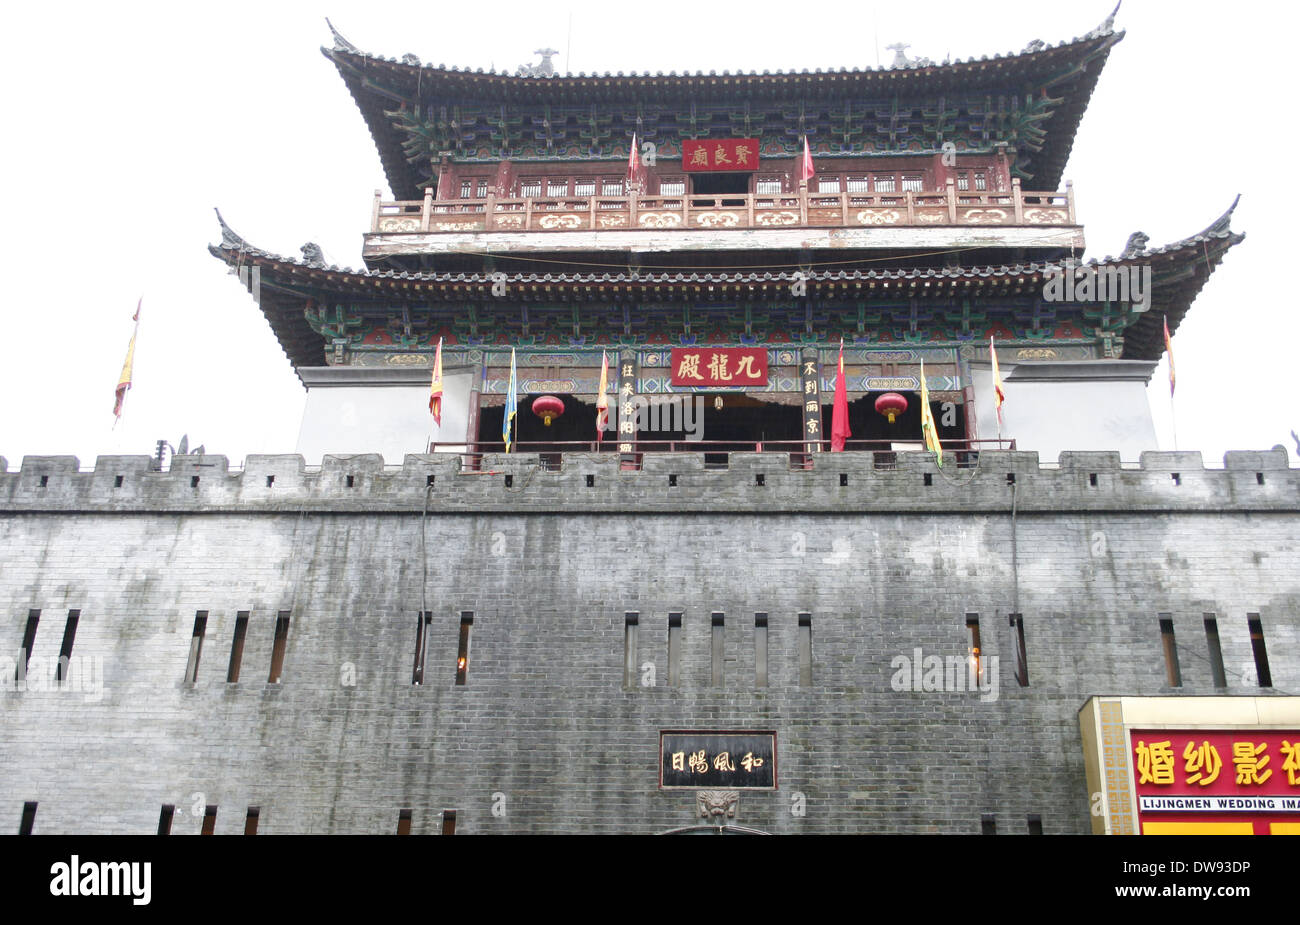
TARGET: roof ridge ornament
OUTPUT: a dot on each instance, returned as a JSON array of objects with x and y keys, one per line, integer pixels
[
  {"x": 312, "y": 255},
  {"x": 902, "y": 60},
  {"x": 1136, "y": 244},
  {"x": 544, "y": 69},
  {"x": 339, "y": 41}
]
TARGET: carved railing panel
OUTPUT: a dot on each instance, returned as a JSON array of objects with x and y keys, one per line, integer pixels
[{"x": 732, "y": 210}]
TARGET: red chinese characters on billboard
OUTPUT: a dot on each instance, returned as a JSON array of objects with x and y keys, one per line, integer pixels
[
  {"x": 1207, "y": 782},
  {"x": 715, "y": 366},
  {"x": 720, "y": 154}
]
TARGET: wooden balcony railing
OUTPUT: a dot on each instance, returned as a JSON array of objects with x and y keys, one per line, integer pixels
[{"x": 802, "y": 209}]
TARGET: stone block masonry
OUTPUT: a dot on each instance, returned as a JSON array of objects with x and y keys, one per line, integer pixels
[{"x": 544, "y": 736}]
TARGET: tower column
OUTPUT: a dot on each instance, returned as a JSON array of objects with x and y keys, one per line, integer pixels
[
  {"x": 627, "y": 373},
  {"x": 810, "y": 376}
]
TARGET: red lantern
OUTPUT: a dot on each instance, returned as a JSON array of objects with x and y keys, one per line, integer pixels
[
  {"x": 548, "y": 408},
  {"x": 891, "y": 404}
]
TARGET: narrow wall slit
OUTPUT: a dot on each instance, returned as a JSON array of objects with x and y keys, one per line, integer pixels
[
  {"x": 65, "y": 650},
  {"x": 805, "y": 650},
  {"x": 237, "y": 646},
  {"x": 1216, "y": 651},
  {"x": 1173, "y": 676},
  {"x": 196, "y": 646},
  {"x": 278, "y": 647},
  {"x": 462, "y": 648},
  {"x": 630, "y": 620},
  {"x": 1260, "y": 651}
]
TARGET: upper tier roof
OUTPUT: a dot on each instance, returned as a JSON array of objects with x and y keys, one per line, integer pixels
[{"x": 1057, "y": 79}]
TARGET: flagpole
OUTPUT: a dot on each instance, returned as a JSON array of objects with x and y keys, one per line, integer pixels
[
  {"x": 1169, "y": 355},
  {"x": 1173, "y": 419}
]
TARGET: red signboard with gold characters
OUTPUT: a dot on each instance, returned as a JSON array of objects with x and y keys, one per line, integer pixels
[
  {"x": 719, "y": 366},
  {"x": 1199, "y": 782},
  {"x": 719, "y": 154}
]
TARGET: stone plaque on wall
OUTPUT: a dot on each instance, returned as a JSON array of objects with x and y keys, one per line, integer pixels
[{"x": 717, "y": 760}]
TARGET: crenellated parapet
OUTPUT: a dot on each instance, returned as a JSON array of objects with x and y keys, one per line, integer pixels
[{"x": 754, "y": 483}]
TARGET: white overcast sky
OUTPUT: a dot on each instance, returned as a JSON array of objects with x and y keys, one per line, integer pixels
[{"x": 126, "y": 124}]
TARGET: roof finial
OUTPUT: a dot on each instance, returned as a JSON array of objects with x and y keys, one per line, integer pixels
[
  {"x": 340, "y": 41},
  {"x": 229, "y": 239},
  {"x": 1223, "y": 222},
  {"x": 1107, "y": 26}
]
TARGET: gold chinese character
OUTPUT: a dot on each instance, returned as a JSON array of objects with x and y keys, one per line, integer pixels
[
  {"x": 689, "y": 367},
  {"x": 679, "y": 761},
  {"x": 812, "y": 427},
  {"x": 699, "y": 764},
  {"x": 810, "y": 368},
  {"x": 746, "y": 368},
  {"x": 1203, "y": 763},
  {"x": 810, "y": 387},
  {"x": 627, "y": 427},
  {"x": 1292, "y": 763},
  {"x": 1155, "y": 763},
  {"x": 811, "y": 407},
  {"x": 625, "y": 448},
  {"x": 749, "y": 762},
  {"x": 627, "y": 371},
  {"x": 1245, "y": 755},
  {"x": 627, "y": 389},
  {"x": 718, "y": 367},
  {"x": 700, "y": 158},
  {"x": 720, "y": 155},
  {"x": 723, "y": 762},
  {"x": 628, "y": 409},
  {"x": 742, "y": 154}
]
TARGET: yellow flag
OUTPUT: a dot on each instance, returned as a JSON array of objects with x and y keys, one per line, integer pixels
[
  {"x": 602, "y": 400},
  {"x": 435, "y": 387},
  {"x": 124, "y": 380},
  {"x": 928, "y": 429}
]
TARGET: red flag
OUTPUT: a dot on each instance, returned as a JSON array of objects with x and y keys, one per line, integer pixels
[
  {"x": 805, "y": 171},
  {"x": 124, "y": 380},
  {"x": 435, "y": 387},
  {"x": 840, "y": 414},
  {"x": 1169, "y": 349},
  {"x": 602, "y": 400}
]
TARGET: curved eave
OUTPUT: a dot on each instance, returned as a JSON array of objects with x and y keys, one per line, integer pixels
[
  {"x": 1068, "y": 70},
  {"x": 1178, "y": 270},
  {"x": 283, "y": 310}
]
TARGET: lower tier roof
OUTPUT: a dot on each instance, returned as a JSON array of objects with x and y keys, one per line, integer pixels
[{"x": 289, "y": 289}]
